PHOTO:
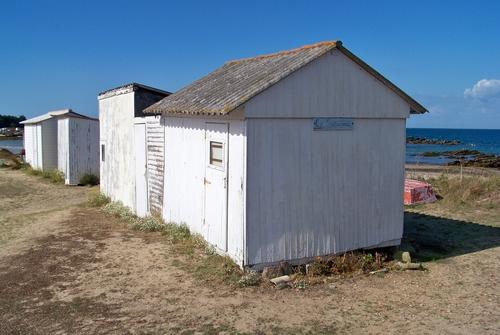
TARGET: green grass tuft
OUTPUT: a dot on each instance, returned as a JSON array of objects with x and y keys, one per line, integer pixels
[
  {"x": 55, "y": 176},
  {"x": 97, "y": 199}
]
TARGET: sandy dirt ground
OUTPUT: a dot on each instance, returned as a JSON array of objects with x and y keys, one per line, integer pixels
[{"x": 70, "y": 269}]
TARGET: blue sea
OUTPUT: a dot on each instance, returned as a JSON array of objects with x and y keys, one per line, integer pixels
[
  {"x": 484, "y": 140},
  {"x": 14, "y": 146}
]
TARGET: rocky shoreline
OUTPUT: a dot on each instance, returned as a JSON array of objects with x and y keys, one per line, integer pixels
[
  {"x": 423, "y": 140},
  {"x": 467, "y": 158}
]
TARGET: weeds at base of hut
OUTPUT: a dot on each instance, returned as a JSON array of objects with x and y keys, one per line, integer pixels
[
  {"x": 55, "y": 176},
  {"x": 201, "y": 260},
  {"x": 97, "y": 199},
  {"x": 198, "y": 257},
  {"x": 347, "y": 263}
]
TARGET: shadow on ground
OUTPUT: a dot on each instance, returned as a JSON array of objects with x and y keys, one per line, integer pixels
[{"x": 430, "y": 237}]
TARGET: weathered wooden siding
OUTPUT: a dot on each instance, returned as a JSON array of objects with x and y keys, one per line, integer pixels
[
  {"x": 78, "y": 148},
  {"x": 29, "y": 141},
  {"x": 314, "y": 193},
  {"x": 63, "y": 159},
  {"x": 118, "y": 109},
  {"x": 332, "y": 85},
  {"x": 155, "y": 141},
  {"x": 116, "y": 119},
  {"x": 185, "y": 172},
  {"x": 48, "y": 140}
]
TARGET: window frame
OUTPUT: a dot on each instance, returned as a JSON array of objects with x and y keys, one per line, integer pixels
[{"x": 222, "y": 165}]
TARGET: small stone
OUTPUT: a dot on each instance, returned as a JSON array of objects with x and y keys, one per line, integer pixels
[
  {"x": 405, "y": 257},
  {"x": 281, "y": 279}
]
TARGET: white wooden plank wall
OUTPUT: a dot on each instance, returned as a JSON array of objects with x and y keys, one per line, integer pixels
[
  {"x": 116, "y": 121},
  {"x": 63, "y": 158},
  {"x": 332, "y": 85},
  {"x": 314, "y": 193},
  {"x": 48, "y": 135},
  {"x": 185, "y": 172},
  {"x": 155, "y": 139},
  {"x": 29, "y": 143}
]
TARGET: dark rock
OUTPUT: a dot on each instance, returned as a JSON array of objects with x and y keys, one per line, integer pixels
[
  {"x": 481, "y": 160},
  {"x": 423, "y": 140},
  {"x": 431, "y": 154}
]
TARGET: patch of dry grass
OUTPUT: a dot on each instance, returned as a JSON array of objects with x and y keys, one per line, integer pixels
[
  {"x": 471, "y": 198},
  {"x": 97, "y": 199},
  {"x": 54, "y": 175},
  {"x": 196, "y": 256}
]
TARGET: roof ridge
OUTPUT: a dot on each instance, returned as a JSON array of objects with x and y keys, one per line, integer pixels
[{"x": 333, "y": 44}]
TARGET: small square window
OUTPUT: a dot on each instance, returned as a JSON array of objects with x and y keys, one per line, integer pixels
[
  {"x": 217, "y": 154},
  {"x": 102, "y": 153}
]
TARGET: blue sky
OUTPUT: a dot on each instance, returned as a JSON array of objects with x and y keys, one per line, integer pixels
[{"x": 58, "y": 54}]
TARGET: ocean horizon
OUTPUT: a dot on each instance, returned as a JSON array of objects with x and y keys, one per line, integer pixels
[{"x": 484, "y": 140}]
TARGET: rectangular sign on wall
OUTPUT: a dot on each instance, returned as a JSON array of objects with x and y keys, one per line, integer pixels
[{"x": 332, "y": 123}]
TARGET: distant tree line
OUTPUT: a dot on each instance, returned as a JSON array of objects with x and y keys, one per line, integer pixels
[{"x": 7, "y": 121}]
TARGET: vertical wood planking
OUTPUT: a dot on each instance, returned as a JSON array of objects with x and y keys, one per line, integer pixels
[
  {"x": 155, "y": 139},
  {"x": 313, "y": 193}
]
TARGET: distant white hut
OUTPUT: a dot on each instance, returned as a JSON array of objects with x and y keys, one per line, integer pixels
[
  {"x": 63, "y": 140},
  {"x": 285, "y": 156}
]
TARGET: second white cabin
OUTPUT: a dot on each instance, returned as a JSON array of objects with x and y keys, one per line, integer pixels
[{"x": 63, "y": 140}]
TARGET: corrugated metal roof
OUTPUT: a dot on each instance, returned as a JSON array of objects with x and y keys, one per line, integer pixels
[
  {"x": 236, "y": 82},
  {"x": 52, "y": 114}
]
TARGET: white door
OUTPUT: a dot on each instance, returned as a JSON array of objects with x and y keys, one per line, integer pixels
[
  {"x": 215, "y": 216},
  {"x": 141, "y": 184}
]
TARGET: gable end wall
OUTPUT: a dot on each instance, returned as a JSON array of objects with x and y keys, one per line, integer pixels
[{"x": 330, "y": 86}]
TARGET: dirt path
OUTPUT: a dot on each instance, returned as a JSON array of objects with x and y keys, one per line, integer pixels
[{"x": 66, "y": 268}]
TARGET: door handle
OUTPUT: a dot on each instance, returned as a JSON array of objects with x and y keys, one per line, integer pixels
[{"x": 205, "y": 181}]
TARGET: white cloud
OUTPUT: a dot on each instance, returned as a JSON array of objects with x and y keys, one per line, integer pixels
[{"x": 484, "y": 89}]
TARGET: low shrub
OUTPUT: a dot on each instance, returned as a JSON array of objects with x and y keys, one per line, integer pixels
[
  {"x": 97, "y": 199},
  {"x": 54, "y": 176},
  {"x": 149, "y": 223},
  {"x": 34, "y": 172},
  {"x": 349, "y": 262},
  {"x": 89, "y": 179},
  {"x": 117, "y": 209}
]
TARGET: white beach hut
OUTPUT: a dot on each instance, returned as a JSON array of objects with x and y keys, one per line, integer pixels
[
  {"x": 285, "y": 156},
  {"x": 123, "y": 145},
  {"x": 63, "y": 140}
]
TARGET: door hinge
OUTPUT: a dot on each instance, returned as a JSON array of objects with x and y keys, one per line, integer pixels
[{"x": 225, "y": 182}]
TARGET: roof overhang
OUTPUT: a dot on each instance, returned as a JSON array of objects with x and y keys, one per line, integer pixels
[{"x": 55, "y": 114}]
